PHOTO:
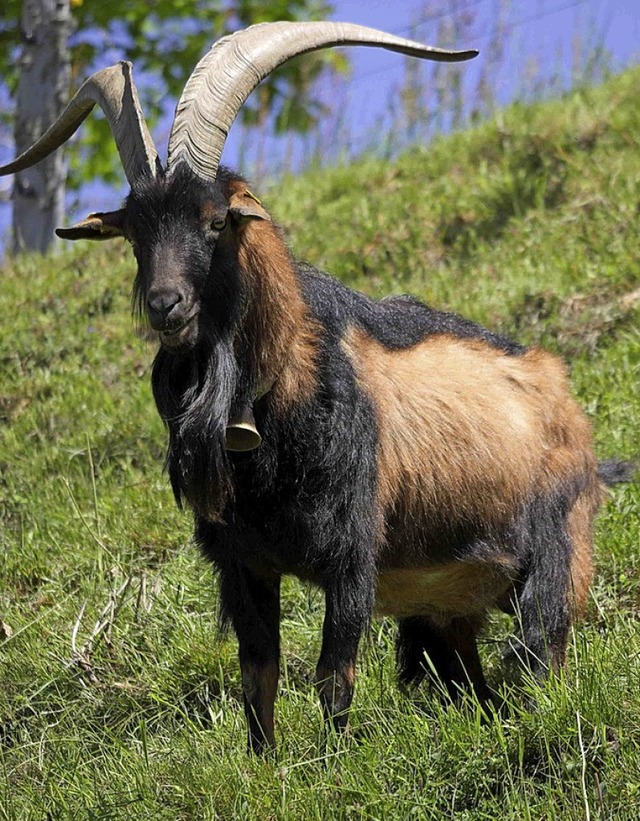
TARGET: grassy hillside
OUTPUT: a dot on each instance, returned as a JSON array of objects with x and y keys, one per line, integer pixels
[{"x": 116, "y": 695}]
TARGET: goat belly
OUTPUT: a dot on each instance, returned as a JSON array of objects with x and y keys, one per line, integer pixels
[{"x": 464, "y": 588}]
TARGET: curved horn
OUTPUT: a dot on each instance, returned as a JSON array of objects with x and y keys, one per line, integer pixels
[
  {"x": 228, "y": 73},
  {"x": 114, "y": 91}
]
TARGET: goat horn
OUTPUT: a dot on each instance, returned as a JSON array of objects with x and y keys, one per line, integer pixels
[
  {"x": 228, "y": 73},
  {"x": 114, "y": 91}
]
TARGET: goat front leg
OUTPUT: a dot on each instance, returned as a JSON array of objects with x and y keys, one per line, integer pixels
[
  {"x": 252, "y": 602},
  {"x": 348, "y": 610}
]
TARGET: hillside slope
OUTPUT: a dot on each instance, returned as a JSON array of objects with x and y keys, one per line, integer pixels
[{"x": 114, "y": 690}]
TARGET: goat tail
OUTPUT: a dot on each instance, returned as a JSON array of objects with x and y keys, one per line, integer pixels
[{"x": 614, "y": 471}]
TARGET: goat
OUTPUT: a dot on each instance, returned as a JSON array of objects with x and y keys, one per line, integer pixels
[{"x": 405, "y": 460}]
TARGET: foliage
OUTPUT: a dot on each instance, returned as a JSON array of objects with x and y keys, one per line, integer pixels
[
  {"x": 164, "y": 39},
  {"x": 116, "y": 694}
]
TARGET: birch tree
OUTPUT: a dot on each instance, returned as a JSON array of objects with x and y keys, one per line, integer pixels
[{"x": 43, "y": 85}]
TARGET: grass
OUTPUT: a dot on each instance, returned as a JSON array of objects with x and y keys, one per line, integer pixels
[{"x": 117, "y": 696}]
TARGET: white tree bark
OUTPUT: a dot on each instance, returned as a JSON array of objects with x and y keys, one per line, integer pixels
[{"x": 43, "y": 88}]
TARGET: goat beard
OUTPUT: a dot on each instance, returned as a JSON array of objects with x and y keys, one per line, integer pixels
[{"x": 195, "y": 393}]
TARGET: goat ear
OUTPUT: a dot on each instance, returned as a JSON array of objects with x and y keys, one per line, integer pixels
[
  {"x": 103, "y": 225},
  {"x": 245, "y": 205}
]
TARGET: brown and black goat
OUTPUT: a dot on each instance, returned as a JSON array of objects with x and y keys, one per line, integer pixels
[{"x": 405, "y": 460}]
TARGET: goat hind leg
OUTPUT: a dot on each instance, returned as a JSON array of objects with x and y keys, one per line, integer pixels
[
  {"x": 555, "y": 584},
  {"x": 452, "y": 653}
]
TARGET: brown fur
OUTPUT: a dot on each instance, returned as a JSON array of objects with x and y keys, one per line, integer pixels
[
  {"x": 260, "y": 685},
  {"x": 284, "y": 336},
  {"x": 580, "y": 527},
  {"x": 325, "y": 676},
  {"x": 496, "y": 428},
  {"x": 335, "y": 689},
  {"x": 455, "y": 588}
]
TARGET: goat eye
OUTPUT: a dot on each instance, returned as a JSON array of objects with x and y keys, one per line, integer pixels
[{"x": 218, "y": 223}]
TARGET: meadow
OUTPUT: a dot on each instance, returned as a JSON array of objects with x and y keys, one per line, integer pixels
[{"x": 119, "y": 698}]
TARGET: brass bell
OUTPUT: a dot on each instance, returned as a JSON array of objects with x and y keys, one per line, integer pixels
[{"x": 241, "y": 433}]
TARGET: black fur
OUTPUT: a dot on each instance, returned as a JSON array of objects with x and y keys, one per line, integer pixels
[
  {"x": 194, "y": 396},
  {"x": 613, "y": 472},
  {"x": 396, "y": 322},
  {"x": 541, "y": 603},
  {"x": 446, "y": 654}
]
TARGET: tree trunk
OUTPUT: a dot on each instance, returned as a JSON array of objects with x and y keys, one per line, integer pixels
[{"x": 42, "y": 92}]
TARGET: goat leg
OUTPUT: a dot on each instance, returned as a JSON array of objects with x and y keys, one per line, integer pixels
[
  {"x": 252, "y": 603},
  {"x": 347, "y": 612},
  {"x": 452, "y": 654},
  {"x": 553, "y": 590}
]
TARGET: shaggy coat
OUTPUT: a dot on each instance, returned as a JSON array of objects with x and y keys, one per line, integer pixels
[{"x": 412, "y": 462}]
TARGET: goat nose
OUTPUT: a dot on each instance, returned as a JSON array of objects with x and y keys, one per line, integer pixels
[{"x": 162, "y": 302}]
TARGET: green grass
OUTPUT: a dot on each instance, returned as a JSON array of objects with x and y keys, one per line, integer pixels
[{"x": 117, "y": 696}]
